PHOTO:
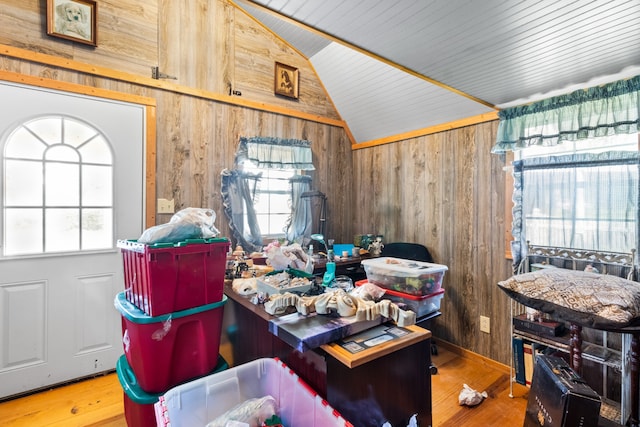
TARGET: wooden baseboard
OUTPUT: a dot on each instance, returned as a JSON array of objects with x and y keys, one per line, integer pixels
[{"x": 468, "y": 354}]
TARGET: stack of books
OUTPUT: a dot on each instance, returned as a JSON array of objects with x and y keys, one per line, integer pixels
[{"x": 525, "y": 352}]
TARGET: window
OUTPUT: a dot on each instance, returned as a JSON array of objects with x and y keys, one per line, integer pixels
[
  {"x": 58, "y": 188},
  {"x": 262, "y": 195},
  {"x": 272, "y": 200},
  {"x": 580, "y": 195}
]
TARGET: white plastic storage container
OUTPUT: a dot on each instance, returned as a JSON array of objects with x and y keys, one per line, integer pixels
[
  {"x": 403, "y": 275},
  {"x": 200, "y": 401}
]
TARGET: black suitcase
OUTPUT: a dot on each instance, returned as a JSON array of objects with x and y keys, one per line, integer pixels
[{"x": 559, "y": 397}]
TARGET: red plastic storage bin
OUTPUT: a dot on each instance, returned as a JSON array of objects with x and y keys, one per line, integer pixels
[
  {"x": 138, "y": 405},
  {"x": 165, "y": 277},
  {"x": 167, "y": 350},
  {"x": 421, "y": 305}
]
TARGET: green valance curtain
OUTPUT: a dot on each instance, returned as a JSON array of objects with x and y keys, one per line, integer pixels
[
  {"x": 276, "y": 153},
  {"x": 594, "y": 112}
]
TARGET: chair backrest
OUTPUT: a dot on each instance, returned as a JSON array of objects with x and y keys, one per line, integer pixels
[{"x": 412, "y": 251}]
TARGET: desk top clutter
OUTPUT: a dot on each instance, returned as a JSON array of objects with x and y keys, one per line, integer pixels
[
  {"x": 172, "y": 311},
  {"x": 309, "y": 313}
]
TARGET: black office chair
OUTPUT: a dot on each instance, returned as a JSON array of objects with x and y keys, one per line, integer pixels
[{"x": 414, "y": 252}]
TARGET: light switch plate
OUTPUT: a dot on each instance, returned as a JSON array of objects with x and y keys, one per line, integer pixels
[
  {"x": 166, "y": 206},
  {"x": 485, "y": 324}
]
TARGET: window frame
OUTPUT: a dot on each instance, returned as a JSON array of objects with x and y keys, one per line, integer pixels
[
  {"x": 66, "y": 140},
  {"x": 509, "y": 203},
  {"x": 265, "y": 179}
]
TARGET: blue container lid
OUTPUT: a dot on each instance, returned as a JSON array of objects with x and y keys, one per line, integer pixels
[
  {"x": 338, "y": 248},
  {"x": 130, "y": 384},
  {"x": 135, "y": 315}
]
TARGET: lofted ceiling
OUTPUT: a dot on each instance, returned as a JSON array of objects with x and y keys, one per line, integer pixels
[{"x": 393, "y": 67}]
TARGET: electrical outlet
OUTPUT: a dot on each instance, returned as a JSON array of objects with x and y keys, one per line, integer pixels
[
  {"x": 166, "y": 206},
  {"x": 485, "y": 324}
]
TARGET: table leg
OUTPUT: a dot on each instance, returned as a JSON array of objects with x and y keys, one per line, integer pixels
[
  {"x": 575, "y": 348},
  {"x": 635, "y": 371}
]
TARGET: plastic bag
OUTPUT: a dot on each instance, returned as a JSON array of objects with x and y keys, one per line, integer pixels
[
  {"x": 252, "y": 412},
  {"x": 189, "y": 223},
  {"x": 471, "y": 397},
  {"x": 413, "y": 422},
  {"x": 368, "y": 292},
  {"x": 281, "y": 257}
]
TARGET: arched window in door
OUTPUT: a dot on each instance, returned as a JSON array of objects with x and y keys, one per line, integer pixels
[{"x": 58, "y": 188}]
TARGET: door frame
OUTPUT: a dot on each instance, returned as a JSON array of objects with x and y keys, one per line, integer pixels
[{"x": 150, "y": 130}]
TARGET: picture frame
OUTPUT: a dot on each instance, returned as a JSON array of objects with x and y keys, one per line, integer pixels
[
  {"x": 74, "y": 20},
  {"x": 286, "y": 81}
]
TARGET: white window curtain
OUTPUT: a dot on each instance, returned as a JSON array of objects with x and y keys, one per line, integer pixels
[
  {"x": 301, "y": 221},
  {"x": 238, "y": 195},
  {"x": 595, "y": 208},
  {"x": 239, "y": 188}
]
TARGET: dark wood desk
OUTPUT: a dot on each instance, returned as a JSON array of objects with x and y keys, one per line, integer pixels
[
  {"x": 350, "y": 266},
  {"x": 390, "y": 388}
]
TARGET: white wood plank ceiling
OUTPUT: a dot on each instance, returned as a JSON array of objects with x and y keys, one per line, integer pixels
[{"x": 396, "y": 66}]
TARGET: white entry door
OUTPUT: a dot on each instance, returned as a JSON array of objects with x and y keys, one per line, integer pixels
[{"x": 71, "y": 175}]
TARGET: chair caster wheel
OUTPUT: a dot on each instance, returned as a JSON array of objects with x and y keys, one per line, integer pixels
[{"x": 433, "y": 370}]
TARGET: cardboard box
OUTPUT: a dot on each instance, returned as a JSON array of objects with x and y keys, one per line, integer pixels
[{"x": 559, "y": 397}]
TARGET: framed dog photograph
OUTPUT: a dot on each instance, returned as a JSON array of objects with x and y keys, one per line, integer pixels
[
  {"x": 286, "y": 81},
  {"x": 73, "y": 20}
]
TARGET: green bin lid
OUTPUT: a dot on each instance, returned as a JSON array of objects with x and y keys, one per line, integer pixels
[
  {"x": 135, "y": 246},
  {"x": 135, "y": 315},
  {"x": 130, "y": 384}
]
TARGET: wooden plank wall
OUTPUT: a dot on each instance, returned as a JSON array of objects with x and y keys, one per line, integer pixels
[
  {"x": 444, "y": 190},
  {"x": 127, "y": 34},
  {"x": 207, "y": 45}
]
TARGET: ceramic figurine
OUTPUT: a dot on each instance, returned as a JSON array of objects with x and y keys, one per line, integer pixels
[{"x": 375, "y": 247}]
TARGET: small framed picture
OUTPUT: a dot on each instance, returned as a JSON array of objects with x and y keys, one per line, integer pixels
[
  {"x": 286, "y": 81},
  {"x": 73, "y": 20}
]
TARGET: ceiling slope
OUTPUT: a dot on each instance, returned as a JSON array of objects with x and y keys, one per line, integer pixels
[{"x": 397, "y": 66}]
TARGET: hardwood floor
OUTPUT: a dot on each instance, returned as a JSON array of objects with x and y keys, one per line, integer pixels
[
  {"x": 456, "y": 369},
  {"x": 98, "y": 402}
]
